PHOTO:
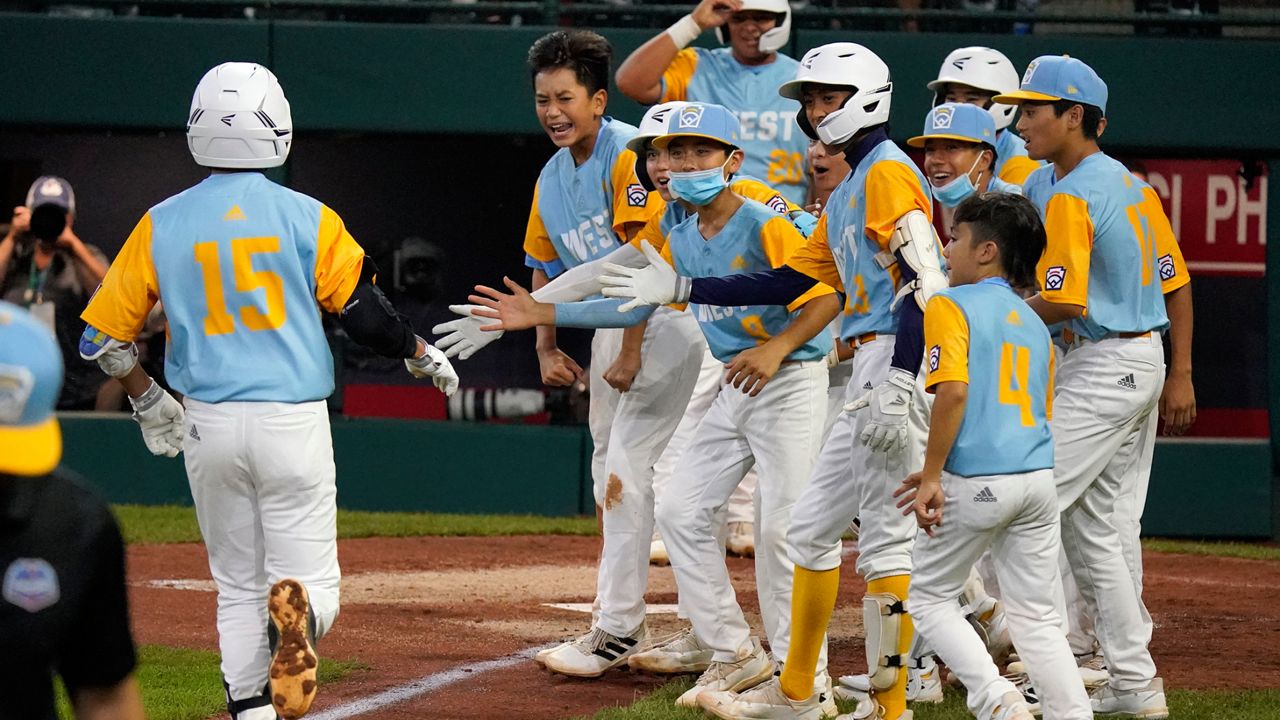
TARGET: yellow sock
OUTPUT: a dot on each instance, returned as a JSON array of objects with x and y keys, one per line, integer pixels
[
  {"x": 894, "y": 700},
  {"x": 813, "y": 598}
]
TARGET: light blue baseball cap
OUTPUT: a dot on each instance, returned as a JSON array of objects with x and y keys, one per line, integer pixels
[
  {"x": 1050, "y": 78},
  {"x": 30, "y": 380},
  {"x": 957, "y": 121},
  {"x": 704, "y": 120}
]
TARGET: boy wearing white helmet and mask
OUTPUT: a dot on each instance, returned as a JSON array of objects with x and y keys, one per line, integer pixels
[
  {"x": 975, "y": 75},
  {"x": 244, "y": 268},
  {"x": 875, "y": 232},
  {"x": 743, "y": 77}
]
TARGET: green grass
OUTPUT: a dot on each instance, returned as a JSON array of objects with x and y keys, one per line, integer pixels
[
  {"x": 1247, "y": 551},
  {"x": 182, "y": 684},
  {"x": 1183, "y": 704},
  {"x": 177, "y": 524}
]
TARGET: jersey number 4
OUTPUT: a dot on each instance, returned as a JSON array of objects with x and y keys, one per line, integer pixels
[
  {"x": 219, "y": 320},
  {"x": 1015, "y": 366}
]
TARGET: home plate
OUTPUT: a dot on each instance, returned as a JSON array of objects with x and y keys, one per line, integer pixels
[{"x": 586, "y": 608}]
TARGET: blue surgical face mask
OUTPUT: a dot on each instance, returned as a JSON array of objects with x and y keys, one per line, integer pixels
[
  {"x": 699, "y": 187},
  {"x": 954, "y": 192}
]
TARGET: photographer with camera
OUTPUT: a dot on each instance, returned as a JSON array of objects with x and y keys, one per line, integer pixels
[{"x": 46, "y": 269}]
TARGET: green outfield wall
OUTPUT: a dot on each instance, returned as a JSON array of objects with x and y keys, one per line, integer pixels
[
  {"x": 1198, "y": 488},
  {"x": 1168, "y": 94}
]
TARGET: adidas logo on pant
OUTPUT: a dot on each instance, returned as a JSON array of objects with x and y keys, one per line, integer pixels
[
  {"x": 193, "y": 434},
  {"x": 985, "y": 496},
  {"x": 1127, "y": 382}
]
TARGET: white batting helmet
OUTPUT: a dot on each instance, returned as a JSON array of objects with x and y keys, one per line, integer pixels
[
  {"x": 239, "y": 118},
  {"x": 770, "y": 40},
  {"x": 982, "y": 68},
  {"x": 850, "y": 65},
  {"x": 652, "y": 125}
]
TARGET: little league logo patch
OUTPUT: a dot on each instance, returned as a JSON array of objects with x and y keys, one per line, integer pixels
[
  {"x": 1167, "y": 269},
  {"x": 1054, "y": 277},
  {"x": 1031, "y": 70},
  {"x": 690, "y": 116},
  {"x": 636, "y": 195},
  {"x": 935, "y": 355},
  {"x": 942, "y": 118},
  {"x": 778, "y": 204},
  {"x": 31, "y": 584},
  {"x": 16, "y": 384}
]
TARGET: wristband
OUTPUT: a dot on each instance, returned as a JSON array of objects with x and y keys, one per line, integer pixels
[
  {"x": 147, "y": 399},
  {"x": 684, "y": 288},
  {"x": 684, "y": 31}
]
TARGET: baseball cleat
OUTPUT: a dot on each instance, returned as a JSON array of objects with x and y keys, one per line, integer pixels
[
  {"x": 853, "y": 687},
  {"x": 745, "y": 672},
  {"x": 1030, "y": 696},
  {"x": 765, "y": 701},
  {"x": 1146, "y": 702},
  {"x": 541, "y": 656},
  {"x": 1012, "y": 707},
  {"x": 678, "y": 653},
  {"x": 658, "y": 552},
  {"x": 293, "y": 666},
  {"x": 923, "y": 682},
  {"x": 1093, "y": 670},
  {"x": 592, "y": 654},
  {"x": 741, "y": 540}
]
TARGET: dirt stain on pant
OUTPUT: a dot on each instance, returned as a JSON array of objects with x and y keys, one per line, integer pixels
[{"x": 613, "y": 492}]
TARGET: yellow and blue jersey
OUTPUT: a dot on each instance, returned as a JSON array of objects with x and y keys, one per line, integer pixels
[
  {"x": 775, "y": 146},
  {"x": 655, "y": 232},
  {"x": 1013, "y": 165},
  {"x": 1103, "y": 228},
  {"x": 243, "y": 267},
  {"x": 580, "y": 211},
  {"x": 851, "y": 242},
  {"x": 755, "y": 239},
  {"x": 986, "y": 336}
]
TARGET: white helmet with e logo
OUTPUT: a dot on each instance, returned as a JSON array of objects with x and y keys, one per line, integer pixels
[{"x": 239, "y": 119}]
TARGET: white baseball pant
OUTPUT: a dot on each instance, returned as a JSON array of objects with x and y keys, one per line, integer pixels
[
  {"x": 262, "y": 478},
  {"x": 1021, "y": 529},
  {"x": 643, "y": 422},
  {"x": 1106, "y": 391},
  {"x": 779, "y": 432}
]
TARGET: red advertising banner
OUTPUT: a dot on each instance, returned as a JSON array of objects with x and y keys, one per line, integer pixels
[{"x": 1218, "y": 209}]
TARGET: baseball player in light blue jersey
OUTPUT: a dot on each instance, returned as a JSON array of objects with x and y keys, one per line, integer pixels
[
  {"x": 975, "y": 75},
  {"x": 743, "y": 77},
  {"x": 1100, "y": 275},
  {"x": 245, "y": 268},
  {"x": 987, "y": 480}
]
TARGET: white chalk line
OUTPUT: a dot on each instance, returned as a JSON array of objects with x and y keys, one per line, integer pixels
[{"x": 421, "y": 686}]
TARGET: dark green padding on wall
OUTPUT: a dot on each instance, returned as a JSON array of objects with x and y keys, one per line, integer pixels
[
  {"x": 1198, "y": 489},
  {"x": 1165, "y": 94}
]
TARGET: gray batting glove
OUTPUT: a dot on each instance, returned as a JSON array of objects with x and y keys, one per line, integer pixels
[
  {"x": 888, "y": 403},
  {"x": 435, "y": 365},
  {"x": 162, "y": 419},
  {"x": 463, "y": 337}
]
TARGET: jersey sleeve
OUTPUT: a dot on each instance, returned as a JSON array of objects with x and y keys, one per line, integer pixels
[
  {"x": 946, "y": 339},
  {"x": 1064, "y": 268},
  {"x": 781, "y": 240},
  {"x": 339, "y": 259},
  {"x": 130, "y": 289},
  {"x": 539, "y": 253},
  {"x": 1017, "y": 168},
  {"x": 814, "y": 257},
  {"x": 893, "y": 190},
  {"x": 631, "y": 202},
  {"x": 755, "y": 190},
  {"x": 651, "y": 232},
  {"x": 675, "y": 79},
  {"x": 1169, "y": 261}
]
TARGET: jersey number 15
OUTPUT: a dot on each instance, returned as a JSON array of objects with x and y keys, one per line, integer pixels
[{"x": 219, "y": 320}]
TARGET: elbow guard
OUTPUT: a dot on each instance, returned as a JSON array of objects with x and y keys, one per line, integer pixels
[
  {"x": 915, "y": 241},
  {"x": 371, "y": 320},
  {"x": 114, "y": 357}
]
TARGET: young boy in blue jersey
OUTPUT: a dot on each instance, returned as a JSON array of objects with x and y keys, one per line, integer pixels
[
  {"x": 245, "y": 268},
  {"x": 987, "y": 480}
]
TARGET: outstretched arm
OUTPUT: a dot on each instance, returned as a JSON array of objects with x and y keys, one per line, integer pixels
[{"x": 639, "y": 77}]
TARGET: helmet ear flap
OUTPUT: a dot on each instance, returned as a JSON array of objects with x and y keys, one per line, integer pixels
[{"x": 642, "y": 174}]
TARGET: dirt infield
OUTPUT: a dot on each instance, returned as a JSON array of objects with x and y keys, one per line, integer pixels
[{"x": 425, "y": 610}]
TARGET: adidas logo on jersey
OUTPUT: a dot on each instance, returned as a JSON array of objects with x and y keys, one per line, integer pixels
[
  {"x": 985, "y": 496},
  {"x": 235, "y": 213},
  {"x": 1128, "y": 382}
]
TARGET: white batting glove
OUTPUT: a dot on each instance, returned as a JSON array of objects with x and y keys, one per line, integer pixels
[
  {"x": 655, "y": 284},
  {"x": 464, "y": 337},
  {"x": 435, "y": 365},
  {"x": 886, "y": 429},
  {"x": 162, "y": 419}
]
